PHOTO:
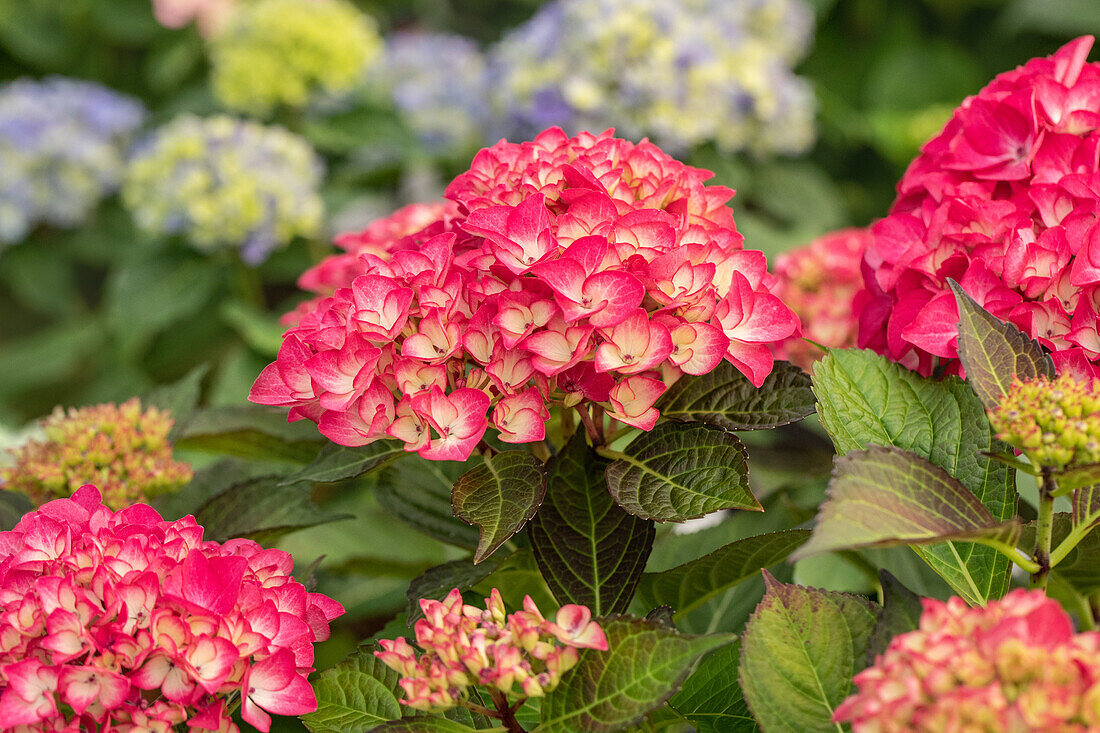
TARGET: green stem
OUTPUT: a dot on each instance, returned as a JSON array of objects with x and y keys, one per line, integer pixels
[
  {"x": 1044, "y": 530},
  {"x": 593, "y": 434},
  {"x": 1014, "y": 554}
]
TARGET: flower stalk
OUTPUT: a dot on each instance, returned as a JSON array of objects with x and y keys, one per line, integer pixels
[{"x": 1044, "y": 529}]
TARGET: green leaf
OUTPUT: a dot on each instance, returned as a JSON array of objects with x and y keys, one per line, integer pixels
[
  {"x": 689, "y": 586},
  {"x": 13, "y": 505},
  {"x": 263, "y": 506},
  {"x": 517, "y": 576},
  {"x": 901, "y": 612},
  {"x": 1086, "y": 506},
  {"x": 339, "y": 462},
  {"x": 208, "y": 482},
  {"x": 253, "y": 432},
  {"x": 179, "y": 399},
  {"x": 49, "y": 355},
  {"x": 499, "y": 496},
  {"x": 711, "y": 698},
  {"x": 798, "y": 654},
  {"x": 1077, "y": 477},
  {"x": 425, "y": 724},
  {"x": 681, "y": 471},
  {"x": 418, "y": 492},
  {"x": 864, "y": 399},
  {"x": 994, "y": 352},
  {"x": 589, "y": 550},
  {"x": 435, "y": 583},
  {"x": 608, "y": 691},
  {"x": 727, "y": 399},
  {"x": 887, "y": 496},
  {"x": 356, "y": 695}
]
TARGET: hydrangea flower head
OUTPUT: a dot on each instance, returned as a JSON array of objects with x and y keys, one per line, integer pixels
[
  {"x": 220, "y": 182},
  {"x": 681, "y": 71},
  {"x": 284, "y": 53},
  {"x": 1014, "y": 665},
  {"x": 1001, "y": 201},
  {"x": 572, "y": 269},
  {"x": 820, "y": 283},
  {"x": 122, "y": 448},
  {"x": 1056, "y": 423},
  {"x": 210, "y": 16},
  {"x": 62, "y": 149},
  {"x": 447, "y": 111},
  {"x": 520, "y": 654},
  {"x": 125, "y": 622}
]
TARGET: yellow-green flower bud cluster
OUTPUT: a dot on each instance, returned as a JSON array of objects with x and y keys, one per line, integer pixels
[
  {"x": 222, "y": 182},
  {"x": 1055, "y": 423},
  {"x": 282, "y": 53},
  {"x": 122, "y": 449}
]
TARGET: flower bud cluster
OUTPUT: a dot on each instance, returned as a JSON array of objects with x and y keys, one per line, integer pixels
[
  {"x": 820, "y": 283},
  {"x": 122, "y": 449},
  {"x": 1001, "y": 201},
  {"x": 285, "y": 53},
  {"x": 124, "y": 622},
  {"x": 521, "y": 654},
  {"x": 585, "y": 269},
  {"x": 1014, "y": 665},
  {"x": 1056, "y": 423},
  {"x": 63, "y": 145},
  {"x": 684, "y": 72},
  {"x": 221, "y": 182}
]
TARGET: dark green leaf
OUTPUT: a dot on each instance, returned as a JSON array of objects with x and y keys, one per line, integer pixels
[
  {"x": 589, "y": 550},
  {"x": 339, "y": 462},
  {"x": 1077, "y": 477},
  {"x": 681, "y": 471},
  {"x": 13, "y": 505},
  {"x": 356, "y": 695},
  {"x": 887, "y": 496},
  {"x": 179, "y": 399},
  {"x": 608, "y": 691},
  {"x": 901, "y": 612},
  {"x": 253, "y": 432},
  {"x": 798, "y": 654},
  {"x": 422, "y": 724},
  {"x": 711, "y": 698},
  {"x": 261, "y": 506},
  {"x": 207, "y": 483},
  {"x": 435, "y": 583},
  {"x": 993, "y": 352},
  {"x": 689, "y": 586},
  {"x": 864, "y": 399},
  {"x": 418, "y": 492},
  {"x": 726, "y": 398},
  {"x": 49, "y": 355},
  {"x": 499, "y": 496}
]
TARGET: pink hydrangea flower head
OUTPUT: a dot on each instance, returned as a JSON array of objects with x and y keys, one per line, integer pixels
[
  {"x": 1003, "y": 201},
  {"x": 561, "y": 271},
  {"x": 820, "y": 282},
  {"x": 121, "y": 621},
  {"x": 463, "y": 646},
  {"x": 1014, "y": 665},
  {"x": 122, "y": 448}
]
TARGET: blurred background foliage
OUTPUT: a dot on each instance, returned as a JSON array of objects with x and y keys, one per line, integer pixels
[{"x": 107, "y": 310}]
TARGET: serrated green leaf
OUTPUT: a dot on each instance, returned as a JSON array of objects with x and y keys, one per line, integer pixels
[
  {"x": 356, "y": 695},
  {"x": 681, "y": 471},
  {"x": 726, "y": 398},
  {"x": 887, "y": 496},
  {"x": 901, "y": 612},
  {"x": 499, "y": 496},
  {"x": 589, "y": 550},
  {"x": 711, "y": 698},
  {"x": 427, "y": 724},
  {"x": 435, "y": 583},
  {"x": 994, "y": 352},
  {"x": 179, "y": 399},
  {"x": 608, "y": 691},
  {"x": 338, "y": 462},
  {"x": 689, "y": 586},
  {"x": 13, "y": 505},
  {"x": 263, "y": 505},
  {"x": 798, "y": 654},
  {"x": 418, "y": 492},
  {"x": 864, "y": 399}
]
